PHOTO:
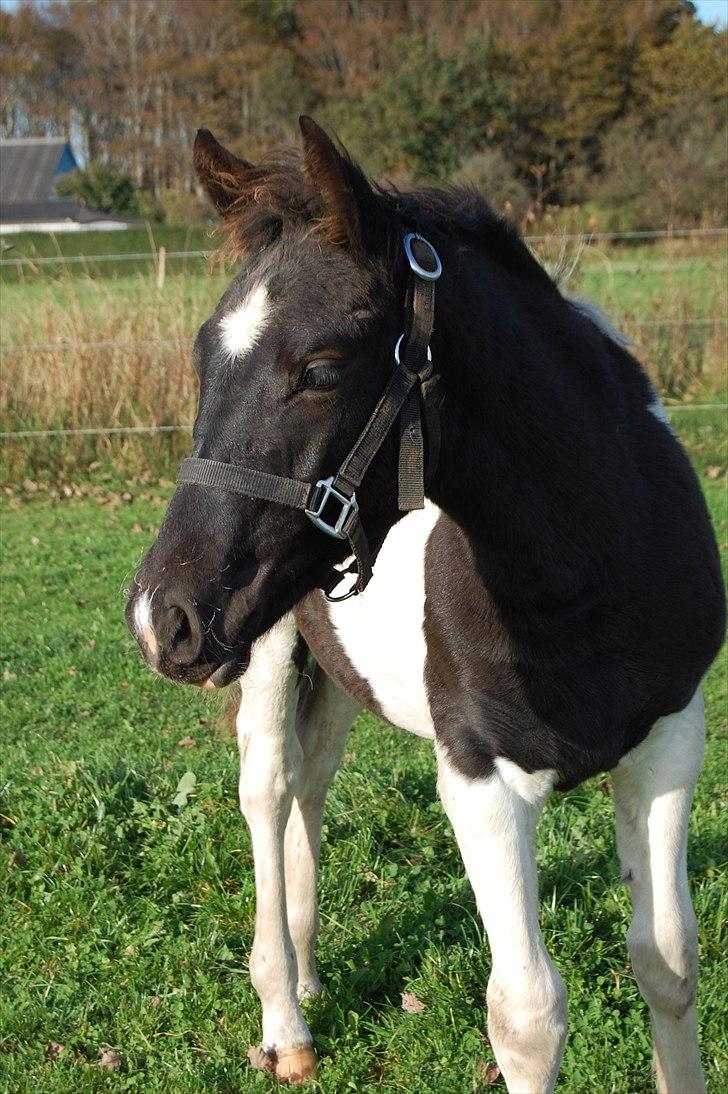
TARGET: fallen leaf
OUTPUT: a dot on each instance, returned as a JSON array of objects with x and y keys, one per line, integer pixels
[
  {"x": 53, "y": 1050},
  {"x": 186, "y": 742},
  {"x": 185, "y": 787},
  {"x": 91, "y": 644},
  {"x": 260, "y": 1059},
  {"x": 137, "y": 529},
  {"x": 17, "y": 858},
  {"x": 411, "y": 1004},
  {"x": 155, "y": 1001},
  {"x": 110, "y": 1060},
  {"x": 94, "y": 465},
  {"x": 487, "y": 1073},
  {"x": 72, "y": 670},
  {"x": 35, "y": 541},
  {"x": 714, "y": 471},
  {"x": 8, "y": 675}
]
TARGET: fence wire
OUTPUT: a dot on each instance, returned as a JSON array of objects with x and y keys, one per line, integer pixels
[
  {"x": 97, "y": 431},
  {"x": 557, "y": 237}
]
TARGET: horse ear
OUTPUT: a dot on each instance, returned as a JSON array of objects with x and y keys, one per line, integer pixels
[
  {"x": 350, "y": 205},
  {"x": 224, "y": 176}
]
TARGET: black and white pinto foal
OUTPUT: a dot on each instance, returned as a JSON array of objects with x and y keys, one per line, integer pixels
[{"x": 547, "y": 615}]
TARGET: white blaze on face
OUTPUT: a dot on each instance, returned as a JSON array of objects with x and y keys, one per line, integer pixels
[
  {"x": 143, "y": 622},
  {"x": 241, "y": 328}
]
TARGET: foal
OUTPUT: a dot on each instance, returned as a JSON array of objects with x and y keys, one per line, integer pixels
[{"x": 547, "y": 614}]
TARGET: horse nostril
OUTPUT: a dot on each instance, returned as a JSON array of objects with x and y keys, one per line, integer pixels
[{"x": 179, "y": 631}]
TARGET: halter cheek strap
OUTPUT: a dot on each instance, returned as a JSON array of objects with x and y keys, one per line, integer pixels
[{"x": 412, "y": 388}]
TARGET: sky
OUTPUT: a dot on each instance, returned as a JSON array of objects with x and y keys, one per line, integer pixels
[{"x": 709, "y": 11}]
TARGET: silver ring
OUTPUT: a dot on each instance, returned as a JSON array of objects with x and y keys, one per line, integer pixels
[
  {"x": 426, "y": 275},
  {"x": 400, "y": 340}
]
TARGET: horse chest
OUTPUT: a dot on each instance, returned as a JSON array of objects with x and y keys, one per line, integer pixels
[{"x": 374, "y": 645}]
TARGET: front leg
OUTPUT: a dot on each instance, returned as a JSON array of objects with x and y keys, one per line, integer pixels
[
  {"x": 270, "y": 762},
  {"x": 323, "y": 719}
]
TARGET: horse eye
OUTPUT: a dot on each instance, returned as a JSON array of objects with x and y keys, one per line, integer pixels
[{"x": 321, "y": 375}]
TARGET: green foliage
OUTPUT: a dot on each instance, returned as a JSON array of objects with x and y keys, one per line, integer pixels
[
  {"x": 127, "y": 915},
  {"x": 103, "y": 187},
  {"x": 492, "y": 174},
  {"x": 416, "y": 89},
  {"x": 670, "y": 173},
  {"x": 430, "y": 112}
]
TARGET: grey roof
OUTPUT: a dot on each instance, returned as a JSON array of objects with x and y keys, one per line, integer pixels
[
  {"x": 39, "y": 212},
  {"x": 28, "y": 168}
]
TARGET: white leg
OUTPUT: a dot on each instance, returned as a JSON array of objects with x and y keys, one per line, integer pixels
[
  {"x": 653, "y": 789},
  {"x": 270, "y": 759},
  {"x": 495, "y": 823},
  {"x": 323, "y": 720}
]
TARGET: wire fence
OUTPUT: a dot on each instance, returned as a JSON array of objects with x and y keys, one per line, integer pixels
[
  {"x": 184, "y": 342},
  {"x": 556, "y": 237},
  {"x": 112, "y": 430}
]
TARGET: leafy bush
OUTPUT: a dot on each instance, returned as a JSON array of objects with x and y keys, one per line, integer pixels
[
  {"x": 103, "y": 187},
  {"x": 491, "y": 173},
  {"x": 674, "y": 173}
]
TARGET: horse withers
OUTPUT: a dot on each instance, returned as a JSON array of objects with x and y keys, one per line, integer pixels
[{"x": 538, "y": 587}]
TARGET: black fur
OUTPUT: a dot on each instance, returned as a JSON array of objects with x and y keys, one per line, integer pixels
[{"x": 573, "y": 589}]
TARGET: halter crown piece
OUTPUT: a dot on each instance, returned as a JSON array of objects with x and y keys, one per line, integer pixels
[{"x": 413, "y": 387}]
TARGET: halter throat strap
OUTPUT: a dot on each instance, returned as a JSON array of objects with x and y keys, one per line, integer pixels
[{"x": 413, "y": 387}]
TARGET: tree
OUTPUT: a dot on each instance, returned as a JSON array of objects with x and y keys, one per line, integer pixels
[{"x": 430, "y": 113}]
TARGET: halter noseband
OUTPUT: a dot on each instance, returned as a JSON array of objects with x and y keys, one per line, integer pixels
[{"x": 331, "y": 503}]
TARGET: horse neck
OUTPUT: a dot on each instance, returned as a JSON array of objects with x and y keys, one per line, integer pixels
[{"x": 519, "y": 469}]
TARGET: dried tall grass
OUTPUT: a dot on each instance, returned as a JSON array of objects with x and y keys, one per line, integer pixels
[{"x": 80, "y": 352}]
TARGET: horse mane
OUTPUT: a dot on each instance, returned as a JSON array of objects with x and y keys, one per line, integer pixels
[{"x": 280, "y": 193}]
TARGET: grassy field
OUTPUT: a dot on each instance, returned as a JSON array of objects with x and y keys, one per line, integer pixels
[
  {"x": 127, "y": 920},
  {"x": 83, "y": 248}
]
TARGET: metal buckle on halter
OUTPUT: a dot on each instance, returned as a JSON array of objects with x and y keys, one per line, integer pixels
[
  {"x": 319, "y": 501},
  {"x": 426, "y": 275},
  {"x": 400, "y": 340}
]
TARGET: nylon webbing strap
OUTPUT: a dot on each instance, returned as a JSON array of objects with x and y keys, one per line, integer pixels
[
  {"x": 420, "y": 312},
  {"x": 383, "y": 417},
  {"x": 411, "y": 475},
  {"x": 245, "y": 480}
]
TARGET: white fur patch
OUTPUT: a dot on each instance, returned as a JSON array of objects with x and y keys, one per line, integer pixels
[
  {"x": 241, "y": 328},
  {"x": 382, "y": 632},
  {"x": 532, "y": 788},
  {"x": 143, "y": 621}
]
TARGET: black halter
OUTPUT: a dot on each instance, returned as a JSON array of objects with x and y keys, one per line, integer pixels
[{"x": 331, "y": 503}]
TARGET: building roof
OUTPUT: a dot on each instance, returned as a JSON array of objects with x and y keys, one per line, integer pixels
[
  {"x": 28, "y": 167},
  {"x": 53, "y": 212}
]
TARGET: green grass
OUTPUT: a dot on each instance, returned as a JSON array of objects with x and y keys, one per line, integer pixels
[
  {"x": 126, "y": 922},
  {"x": 141, "y": 240}
]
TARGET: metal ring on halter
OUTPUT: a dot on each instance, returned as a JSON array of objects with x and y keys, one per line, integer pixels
[
  {"x": 426, "y": 275},
  {"x": 399, "y": 343}
]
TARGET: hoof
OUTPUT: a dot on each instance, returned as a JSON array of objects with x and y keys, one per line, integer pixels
[{"x": 295, "y": 1065}]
